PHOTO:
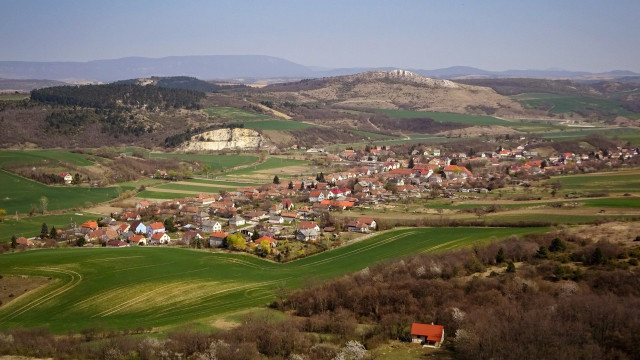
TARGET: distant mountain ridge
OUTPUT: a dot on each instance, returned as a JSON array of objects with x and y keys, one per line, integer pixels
[{"x": 246, "y": 68}]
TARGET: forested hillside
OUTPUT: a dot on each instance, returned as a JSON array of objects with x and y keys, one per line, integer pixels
[{"x": 112, "y": 96}]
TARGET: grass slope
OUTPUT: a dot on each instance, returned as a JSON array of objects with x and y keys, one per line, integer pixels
[
  {"x": 155, "y": 287},
  {"x": 276, "y": 125},
  {"x": 216, "y": 162},
  {"x": 446, "y": 117},
  {"x": 18, "y": 194},
  {"x": 30, "y": 156},
  {"x": 233, "y": 113},
  {"x": 615, "y": 182},
  {"x": 30, "y": 226}
]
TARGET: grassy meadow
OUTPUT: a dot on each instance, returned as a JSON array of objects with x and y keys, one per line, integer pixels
[
  {"x": 29, "y": 226},
  {"x": 234, "y": 113},
  {"x": 165, "y": 287},
  {"x": 216, "y": 162},
  {"x": 561, "y": 104},
  {"x": 446, "y": 117},
  {"x": 624, "y": 181}
]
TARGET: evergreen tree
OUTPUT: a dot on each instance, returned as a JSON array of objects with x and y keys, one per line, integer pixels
[
  {"x": 542, "y": 253},
  {"x": 14, "y": 241},
  {"x": 290, "y": 185},
  {"x": 411, "y": 164},
  {"x": 511, "y": 268},
  {"x": 44, "y": 231},
  {"x": 53, "y": 233},
  {"x": 276, "y": 180},
  {"x": 500, "y": 256},
  {"x": 255, "y": 236},
  {"x": 557, "y": 245}
]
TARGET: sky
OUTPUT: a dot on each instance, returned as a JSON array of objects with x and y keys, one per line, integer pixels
[{"x": 579, "y": 35}]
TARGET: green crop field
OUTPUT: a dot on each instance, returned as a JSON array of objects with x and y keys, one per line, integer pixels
[
  {"x": 234, "y": 113},
  {"x": 159, "y": 287},
  {"x": 446, "y": 117},
  {"x": 216, "y": 162},
  {"x": 615, "y": 182},
  {"x": 270, "y": 164},
  {"x": 30, "y": 156},
  {"x": 235, "y": 184},
  {"x": 30, "y": 226},
  {"x": 624, "y": 203},
  {"x": 150, "y": 194},
  {"x": 564, "y": 104},
  {"x": 276, "y": 125},
  {"x": 18, "y": 194},
  {"x": 204, "y": 189}
]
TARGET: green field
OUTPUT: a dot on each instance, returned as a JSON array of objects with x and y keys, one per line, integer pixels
[
  {"x": 158, "y": 287},
  {"x": 31, "y": 156},
  {"x": 614, "y": 182},
  {"x": 276, "y": 125},
  {"x": 234, "y": 113},
  {"x": 446, "y": 117},
  {"x": 30, "y": 226},
  {"x": 204, "y": 189},
  {"x": 626, "y": 134},
  {"x": 270, "y": 164},
  {"x": 150, "y": 194},
  {"x": 18, "y": 194},
  {"x": 216, "y": 162},
  {"x": 561, "y": 104},
  {"x": 622, "y": 203},
  {"x": 223, "y": 183}
]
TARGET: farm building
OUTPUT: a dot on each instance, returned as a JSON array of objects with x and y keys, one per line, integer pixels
[{"x": 427, "y": 334}]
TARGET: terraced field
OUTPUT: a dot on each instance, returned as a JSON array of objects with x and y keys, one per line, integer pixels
[{"x": 164, "y": 287}]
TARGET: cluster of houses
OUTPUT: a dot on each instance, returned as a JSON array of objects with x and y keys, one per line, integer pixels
[{"x": 211, "y": 217}]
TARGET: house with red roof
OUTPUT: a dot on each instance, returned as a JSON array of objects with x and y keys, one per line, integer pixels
[
  {"x": 155, "y": 228},
  {"x": 455, "y": 172},
  {"x": 160, "y": 238},
  {"x": 137, "y": 240},
  {"x": 309, "y": 225},
  {"x": 68, "y": 179},
  {"x": 427, "y": 334},
  {"x": 272, "y": 242},
  {"x": 216, "y": 239}
]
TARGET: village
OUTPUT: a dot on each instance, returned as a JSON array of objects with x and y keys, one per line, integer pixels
[{"x": 269, "y": 220}]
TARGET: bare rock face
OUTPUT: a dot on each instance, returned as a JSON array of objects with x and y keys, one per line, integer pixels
[{"x": 227, "y": 139}]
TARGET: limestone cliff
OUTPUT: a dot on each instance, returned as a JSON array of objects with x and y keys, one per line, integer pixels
[{"x": 225, "y": 139}]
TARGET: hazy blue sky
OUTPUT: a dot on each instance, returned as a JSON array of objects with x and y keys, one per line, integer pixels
[{"x": 494, "y": 35}]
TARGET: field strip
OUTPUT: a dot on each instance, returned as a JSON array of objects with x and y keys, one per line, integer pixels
[
  {"x": 114, "y": 258},
  {"x": 142, "y": 266},
  {"x": 242, "y": 262},
  {"x": 362, "y": 249},
  {"x": 434, "y": 248},
  {"x": 174, "y": 191},
  {"x": 76, "y": 278},
  {"x": 138, "y": 299},
  {"x": 205, "y": 300},
  {"x": 186, "y": 183}
]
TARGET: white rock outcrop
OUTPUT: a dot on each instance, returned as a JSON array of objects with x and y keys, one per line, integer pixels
[{"x": 227, "y": 139}]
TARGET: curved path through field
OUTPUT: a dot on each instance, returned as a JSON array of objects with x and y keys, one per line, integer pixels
[{"x": 160, "y": 287}]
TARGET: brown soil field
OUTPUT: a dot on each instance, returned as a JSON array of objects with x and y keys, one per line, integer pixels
[{"x": 12, "y": 287}]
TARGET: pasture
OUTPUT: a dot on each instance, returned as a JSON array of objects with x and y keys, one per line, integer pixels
[
  {"x": 20, "y": 194},
  {"x": 30, "y": 226},
  {"x": 216, "y": 162},
  {"x": 33, "y": 156},
  {"x": 234, "y": 113},
  {"x": 446, "y": 117},
  {"x": 624, "y": 181},
  {"x": 276, "y": 125},
  {"x": 560, "y": 104},
  {"x": 163, "y": 195},
  {"x": 164, "y": 287}
]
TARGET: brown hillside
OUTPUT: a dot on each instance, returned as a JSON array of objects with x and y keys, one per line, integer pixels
[{"x": 395, "y": 89}]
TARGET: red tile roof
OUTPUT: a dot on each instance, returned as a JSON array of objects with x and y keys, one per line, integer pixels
[
  {"x": 432, "y": 332},
  {"x": 157, "y": 226},
  {"x": 218, "y": 234}
]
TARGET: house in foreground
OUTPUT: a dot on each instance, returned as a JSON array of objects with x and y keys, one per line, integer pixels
[{"x": 427, "y": 334}]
